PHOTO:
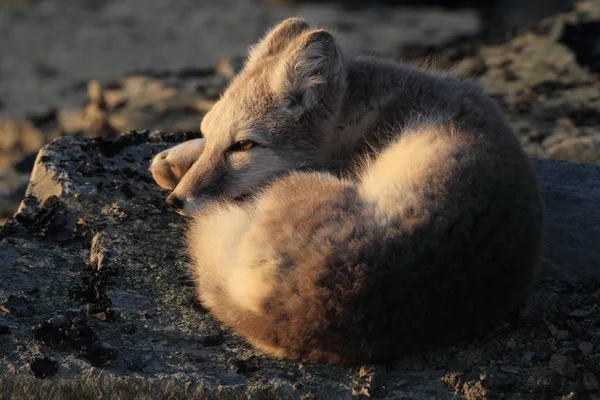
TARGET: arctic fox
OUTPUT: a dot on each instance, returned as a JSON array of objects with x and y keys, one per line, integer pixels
[{"x": 354, "y": 210}]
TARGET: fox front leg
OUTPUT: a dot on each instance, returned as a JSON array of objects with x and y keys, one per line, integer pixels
[{"x": 169, "y": 166}]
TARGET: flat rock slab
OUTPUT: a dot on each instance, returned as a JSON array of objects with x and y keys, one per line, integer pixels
[{"x": 95, "y": 298}]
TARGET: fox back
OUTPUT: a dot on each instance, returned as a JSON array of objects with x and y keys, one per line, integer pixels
[{"x": 356, "y": 210}]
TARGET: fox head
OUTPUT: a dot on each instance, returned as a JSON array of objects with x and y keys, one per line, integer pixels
[{"x": 275, "y": 116}]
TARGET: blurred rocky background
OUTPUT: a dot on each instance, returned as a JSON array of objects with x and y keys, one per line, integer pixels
[{"x": 102, "y": 67}]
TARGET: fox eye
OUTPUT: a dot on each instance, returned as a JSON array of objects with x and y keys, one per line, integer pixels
[{"x": 243, "y": 145}]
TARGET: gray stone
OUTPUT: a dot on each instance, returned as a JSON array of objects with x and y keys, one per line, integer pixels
[
  {"x": 590, "y": 382},
  {"x": 60, "y": 321},
  {"x": 586, "y": 348},
  {"x": 562, "y": 365},
  {"x": 527, "y": 356},
  {"x": 562, "y": 334}
]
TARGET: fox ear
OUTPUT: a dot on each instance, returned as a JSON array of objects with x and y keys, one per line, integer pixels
[
  {"x": 278, "y": 38},
  {"x": 310, "y": 71}
]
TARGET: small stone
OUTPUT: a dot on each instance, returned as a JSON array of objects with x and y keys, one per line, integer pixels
[
  {"x": 590, "y": 382},
  {"x": 552, "y": 329},
  {"x": 128, "y": 329},
  {"x": 566, "y": 350},
  {"x": 98, "y": 355},
  {"x": 457, "y": 366},
  {"x": 80, "y": 329},
  {"x": 107, "y": 315},
  {"x": 527, "y": 356},
  {"x": 510, "y": 369},
  {"x": 580, "y": 313},
  {"x": 562, "y": 334},
  {"x": 586, "y": 348},
  {"x": 211, "y": 340},
  {"x": 511, "y": 344},
  {"x": 562, "y": 365},
  {"x": 235, "y": 364},
  {"x": 60, "y": 321},
  {"x": 241, "y": 366}
]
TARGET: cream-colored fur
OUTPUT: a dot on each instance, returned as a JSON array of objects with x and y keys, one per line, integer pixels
[
  {"x": 169, "y": 166},
  {"x": 354, "y": 210}
]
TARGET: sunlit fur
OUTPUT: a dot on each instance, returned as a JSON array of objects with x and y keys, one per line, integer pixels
[
  {"x": 390, "y": 210},
  {"x": 169, "y": 166}
]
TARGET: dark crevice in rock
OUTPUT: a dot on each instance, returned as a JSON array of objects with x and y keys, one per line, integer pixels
[
  {"x": 98, "y": 355},
  {"x": 48, "y": 219},
  {"x": 76, "y": 333},
  {"x": 43, "y": 367},
  {"x": 112, "y": 147},
  {"x": 243, "y": 366},
  {"x": 92, "y": 291},
  {"x": 17, "y": 306},
  {"x": 584, "y": 40}
]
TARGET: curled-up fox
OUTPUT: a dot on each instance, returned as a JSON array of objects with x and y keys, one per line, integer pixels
[{"x": 354, "y": 210}]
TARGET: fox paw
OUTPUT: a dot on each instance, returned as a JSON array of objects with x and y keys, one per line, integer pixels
[{"x": 169, "y": 166}]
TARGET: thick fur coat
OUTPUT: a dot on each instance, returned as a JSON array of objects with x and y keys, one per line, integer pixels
[{"x": 354, "y": 210}]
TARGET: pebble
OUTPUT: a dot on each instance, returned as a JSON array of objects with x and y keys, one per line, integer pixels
[
  {"x": 586, "y": 348},
  {"x": 527, "y": 356},
  {"x": 579, "y": 313},
  {"x": 590, "y": 382},
  {"x": 562, "y": 334},
  {"x": 241, "y": 366},
  {"x": 60, "y": 321},
  {"x": 562, "y": 365},
  {"x": 510, "y": 369}
]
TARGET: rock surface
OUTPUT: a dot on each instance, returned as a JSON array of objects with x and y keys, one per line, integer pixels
[
  {"x": 95, "y": 299},
  {"x": 546, "y": 79}
]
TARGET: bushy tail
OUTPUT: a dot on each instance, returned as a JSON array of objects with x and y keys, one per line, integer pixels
[
  {"x": 413, "y": 172},
  {"x": 327, "y": 269}
]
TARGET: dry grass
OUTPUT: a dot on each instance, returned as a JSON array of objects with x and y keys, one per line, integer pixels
[{"x": 15, "y": 386}]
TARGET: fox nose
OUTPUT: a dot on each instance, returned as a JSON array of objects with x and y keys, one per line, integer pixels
[{"x": 175, "y": 202}]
